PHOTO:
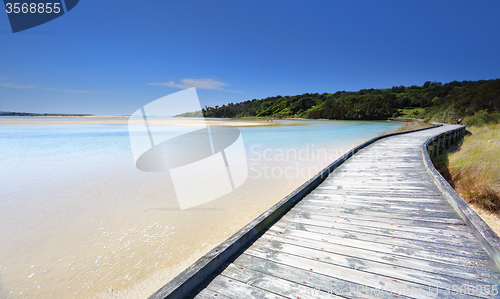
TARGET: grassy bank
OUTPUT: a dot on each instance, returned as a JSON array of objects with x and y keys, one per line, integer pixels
[{"x": 473, "y": 169}]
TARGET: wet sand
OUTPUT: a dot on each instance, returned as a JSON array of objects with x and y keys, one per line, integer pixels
[{"x": 139, "y": 244}]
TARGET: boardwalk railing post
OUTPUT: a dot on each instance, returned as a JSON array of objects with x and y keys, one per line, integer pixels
[
  {"x": 443, "y": 143},
  {"x": 440, "y": 147},
  {"x": 436, "y": 148}
]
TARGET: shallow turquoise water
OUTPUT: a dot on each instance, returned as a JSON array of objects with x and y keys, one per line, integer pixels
[{"x": 74, "y": 210}]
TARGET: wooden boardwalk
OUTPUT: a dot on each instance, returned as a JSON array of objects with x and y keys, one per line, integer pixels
[{"x": 378, "y": 222}]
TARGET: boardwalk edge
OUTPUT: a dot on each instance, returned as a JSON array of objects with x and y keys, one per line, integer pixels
[
  {"x": 189, "y": 279},
  {"x": 488, "y": 238}
]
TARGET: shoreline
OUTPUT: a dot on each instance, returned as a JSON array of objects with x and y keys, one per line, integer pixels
[
  {"x": 259, "y": 118},
  {"x": 119, "y": 120},
  {"x": 125, "y": 121}
]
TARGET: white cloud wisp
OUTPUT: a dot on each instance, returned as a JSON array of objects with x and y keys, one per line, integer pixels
[{"x": 209, "y": 84}]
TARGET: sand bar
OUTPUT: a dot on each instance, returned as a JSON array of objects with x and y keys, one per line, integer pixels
[{"x": 125, "y": 120}]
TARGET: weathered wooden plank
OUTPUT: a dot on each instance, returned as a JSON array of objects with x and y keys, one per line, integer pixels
[
  {"x": 378, "y": 185},
  {"x": 462, "y": 258},
  {"x": 393, "y": 210},
  {"x": 355, "y": 214},
  {"x": 350, "y": 191},
  {"x": 274, "y": 248},
  {"x": 379, "y": 189},
  {"x": 394, "y": 206},
  {"x": 463, "y": 241},
  {"x": 335, "y": 203},
  {"x": 361, "y": 211},
  {"x": 373, "y": 174},
  {"x": 387, "y": 207},
  {"x": 209, "y": 294},
  {"x": 355, "y": 197},
  {"x": 449, "y": 231},
  {"x": 440, "y": 267},
  {"x": 307, "y": 213},
  {"x": 315, "y": 280},
  {"x": 445, "y": 248},
  {"x": 389, "y": 214},
  {"x": 349, "y": 274},
  {"x": 346, "y": 190},
  {"x": 235, "y": 289},
  {"x": 274, "y": 284}
]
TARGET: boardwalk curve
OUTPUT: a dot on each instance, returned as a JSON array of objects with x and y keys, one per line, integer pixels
[{"x": 382, "y": 224}]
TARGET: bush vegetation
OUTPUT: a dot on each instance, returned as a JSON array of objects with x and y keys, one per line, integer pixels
[{"x": 473, "y": 102}]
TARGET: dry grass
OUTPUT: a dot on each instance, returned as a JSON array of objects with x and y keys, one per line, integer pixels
[
  {"x": 410, "y": 126},
  {"x": 475, "y": 168}
]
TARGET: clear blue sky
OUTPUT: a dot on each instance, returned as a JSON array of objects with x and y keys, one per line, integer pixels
[{"x": 113, "y": 56}]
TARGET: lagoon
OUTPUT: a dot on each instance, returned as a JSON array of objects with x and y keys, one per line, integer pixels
[{"x": 78, "y": 219}]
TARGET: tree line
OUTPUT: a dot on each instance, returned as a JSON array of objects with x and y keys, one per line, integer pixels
[{"x": 447, "y": 102}]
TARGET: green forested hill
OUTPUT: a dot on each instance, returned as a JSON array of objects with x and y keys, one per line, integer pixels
[{"x": 474, "y": 101}]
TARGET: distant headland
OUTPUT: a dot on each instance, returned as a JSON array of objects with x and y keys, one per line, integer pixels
[{"x": 10, "y": 113}]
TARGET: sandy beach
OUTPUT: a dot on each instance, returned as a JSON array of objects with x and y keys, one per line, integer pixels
[{"x": 119, "y": 120}]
